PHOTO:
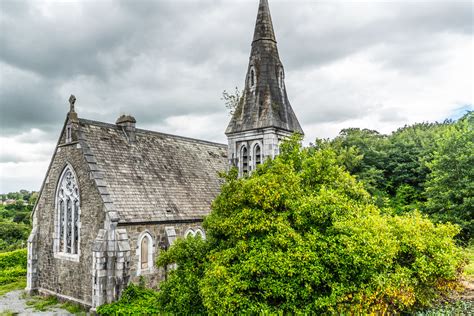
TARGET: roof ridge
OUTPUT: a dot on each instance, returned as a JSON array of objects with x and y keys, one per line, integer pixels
[{"x": 110, "y": 125}]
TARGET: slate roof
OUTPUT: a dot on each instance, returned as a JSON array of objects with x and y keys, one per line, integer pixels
[
  {"x": 159, "y": 176},
  {"x": 266, "y": 105}
]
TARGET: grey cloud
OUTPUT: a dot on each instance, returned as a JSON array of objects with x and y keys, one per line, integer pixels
[
  {"x": 10, "y": 157},
  {"x": 337, "y": 33},
  {"x": 26, "y": 102},
  {"x": 159, "y": 59}
]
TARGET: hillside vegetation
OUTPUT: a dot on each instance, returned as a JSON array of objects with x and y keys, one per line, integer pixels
[{"x": 14, "y": 230}]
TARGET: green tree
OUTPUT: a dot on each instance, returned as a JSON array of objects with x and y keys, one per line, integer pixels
[
  {"x": 450, "y": 186},
  {"x": 363, "y": 153},
  {"x": 13, "y": 235}
]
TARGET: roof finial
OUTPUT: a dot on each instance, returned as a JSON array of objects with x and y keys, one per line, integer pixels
[
  {"x": 72, "y": 113},
  {"x": 72, "y": 101}
]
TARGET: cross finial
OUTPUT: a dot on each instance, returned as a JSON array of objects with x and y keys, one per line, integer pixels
[{"x": 72, "y": 100}]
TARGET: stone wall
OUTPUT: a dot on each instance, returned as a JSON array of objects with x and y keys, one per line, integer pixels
[
  {"x": 160, "y": 240},
  {"x": 66, "y": 278},
  {"x": 268, "y": 138}
]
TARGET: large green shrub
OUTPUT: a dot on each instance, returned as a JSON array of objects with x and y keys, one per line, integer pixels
[{"x": 301, "y": 235}]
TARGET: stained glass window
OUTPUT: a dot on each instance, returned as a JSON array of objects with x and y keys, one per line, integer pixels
[{"x": 68, "y": 213}]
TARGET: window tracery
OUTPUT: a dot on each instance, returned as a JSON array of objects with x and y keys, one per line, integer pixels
[{"x": 68, "y": 214}]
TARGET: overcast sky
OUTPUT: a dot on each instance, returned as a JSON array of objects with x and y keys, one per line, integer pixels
[{"x": 370, "y": 64}]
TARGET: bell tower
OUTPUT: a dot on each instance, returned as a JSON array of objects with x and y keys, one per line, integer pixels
[{"x": 264, "y": 115}]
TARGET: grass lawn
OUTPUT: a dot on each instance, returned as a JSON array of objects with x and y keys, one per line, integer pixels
[{"x": 19, "y": 284}]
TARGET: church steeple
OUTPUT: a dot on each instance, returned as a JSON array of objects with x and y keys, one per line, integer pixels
[
  {"x": 265, "y": 102},
  {"x": 264, "y": 115}
]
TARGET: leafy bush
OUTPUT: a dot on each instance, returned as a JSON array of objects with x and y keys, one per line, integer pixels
[
  {"x": 13, "y": 259},
  {"x": 135, "y": 300},
  {"x": 301, "y": 235}
]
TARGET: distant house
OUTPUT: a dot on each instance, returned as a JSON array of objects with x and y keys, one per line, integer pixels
[
  {"x": 114, "y": 196},
  {"x": 9, "y": 202}
]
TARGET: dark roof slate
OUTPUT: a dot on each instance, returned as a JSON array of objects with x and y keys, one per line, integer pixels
[{"x": 157, "y": 177}]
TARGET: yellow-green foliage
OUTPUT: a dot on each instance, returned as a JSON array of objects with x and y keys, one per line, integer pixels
[
  {"x": 469, "y": 270},
  {"x": 12, "y": 270}
]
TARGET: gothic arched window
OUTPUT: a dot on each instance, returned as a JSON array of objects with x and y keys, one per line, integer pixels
[
  {"x": 244, "y": 157},
  {"x": 68, "y": 224},
  {"x": 195, "y": 233},
  {"x": 252, "y": 78},
  {"x": 189, "y": 232},
  {"x": 257, "y": 153},
  {"x": 200, "y": 233},
  {"x": 281, "y": 78},
  {"x": 145, "y": 253}
]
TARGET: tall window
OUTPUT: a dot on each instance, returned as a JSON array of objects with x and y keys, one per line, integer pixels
[
  {"x": 257, "y": 155},
  {"x": 245, "y": 160},
  {"x": 281, "y": 77},
  {"x": 145, "y": 253},
  {"x": 68, "y": 213},
  {"x": 253, "y": 78},
  {"x": 68, "y": 134}
]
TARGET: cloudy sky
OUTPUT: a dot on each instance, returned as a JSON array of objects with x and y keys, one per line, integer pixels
[{"x": 371, "y": 64}]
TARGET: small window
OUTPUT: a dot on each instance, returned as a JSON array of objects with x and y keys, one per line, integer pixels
[
  {"x": 68, "y": 134},
  {"x": 195, "y": 233},
  {"x": 281, "y": 78},
  {"x": 145, "y": 254},
  {"x": 199, "y": 233},
  {"x": 257, "y": 155},
  {"x": 188, "y": 233},
  {"x": 252, "y": 78},
  {"x": 245, "y": 160}
]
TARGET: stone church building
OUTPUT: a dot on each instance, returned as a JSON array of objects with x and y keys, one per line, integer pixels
[{"x": 114, "y": 195}]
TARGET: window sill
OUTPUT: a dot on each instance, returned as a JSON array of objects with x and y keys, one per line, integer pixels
[
  {"x": 66, "y": 256},
  {"x": 145, "y": 271}
]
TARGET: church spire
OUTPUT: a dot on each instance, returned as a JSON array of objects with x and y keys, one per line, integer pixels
[{"x": 264, "y": 101}]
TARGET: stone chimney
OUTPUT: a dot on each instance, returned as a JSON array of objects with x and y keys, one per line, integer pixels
[{"x": 127, "y": 124}]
